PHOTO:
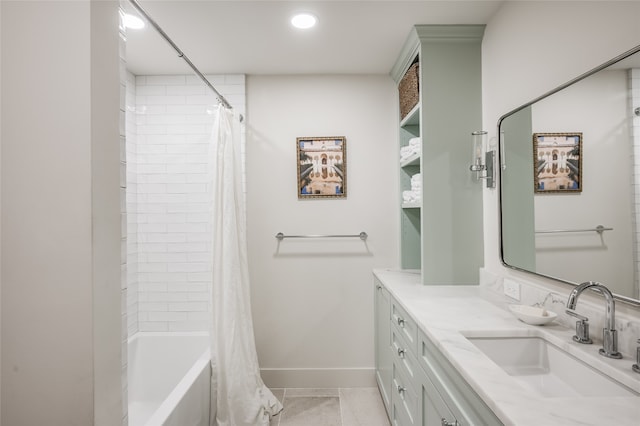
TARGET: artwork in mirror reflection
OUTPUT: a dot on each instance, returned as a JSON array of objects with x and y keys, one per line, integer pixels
[
  {"x": 555, "y": 235},
  {"x": 557, "y": 158}
]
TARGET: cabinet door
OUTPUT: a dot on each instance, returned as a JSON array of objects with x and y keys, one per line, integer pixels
[
  {"x": 454, "y": 391},
  {"x": 384, "y": 360},
  {"x": 434, "y": 411}
]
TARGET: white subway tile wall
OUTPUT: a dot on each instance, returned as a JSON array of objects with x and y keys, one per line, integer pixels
[
  {"x": 634, "y": 102},
  {"x": 131, "y": 202},
  {"x": 124, "y": 282},
  {"x": 168, "y": 198}
]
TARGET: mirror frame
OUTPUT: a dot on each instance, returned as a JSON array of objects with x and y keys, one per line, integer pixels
[{"x": 625, "y": 299}]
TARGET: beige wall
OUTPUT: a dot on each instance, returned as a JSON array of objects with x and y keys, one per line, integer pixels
[
  {"x": 312, "y": 299},
  {"x": 519, "y": 43},
  {"x": 60, "y": 217}
]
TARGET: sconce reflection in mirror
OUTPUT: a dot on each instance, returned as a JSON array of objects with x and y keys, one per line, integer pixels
[{"x": 483, "y": 158}]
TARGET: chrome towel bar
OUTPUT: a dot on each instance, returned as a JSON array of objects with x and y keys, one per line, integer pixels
[
  {"x": 599, "y": 229},
  {"x": 363, "y": 236}
]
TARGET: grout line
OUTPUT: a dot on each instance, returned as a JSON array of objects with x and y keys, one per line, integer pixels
[
  {"x": 284, "y": 394},
  {"x": 340, "y": 405}
]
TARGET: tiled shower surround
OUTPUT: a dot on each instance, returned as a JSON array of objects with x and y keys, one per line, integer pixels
[
  {"x": 169, "y": 121},
  {"x": 634, "y": 102}
]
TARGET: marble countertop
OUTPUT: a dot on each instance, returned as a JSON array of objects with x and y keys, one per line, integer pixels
[{"x": 446, "y": 314}]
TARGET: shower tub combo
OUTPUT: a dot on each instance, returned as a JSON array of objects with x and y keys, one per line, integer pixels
[{"x": 169, "y": 378}]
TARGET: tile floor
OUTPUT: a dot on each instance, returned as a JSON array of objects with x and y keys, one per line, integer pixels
[{"x": 330, "y": 407}]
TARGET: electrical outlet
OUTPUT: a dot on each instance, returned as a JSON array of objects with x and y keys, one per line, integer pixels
[{"x": 512, "y": 289}]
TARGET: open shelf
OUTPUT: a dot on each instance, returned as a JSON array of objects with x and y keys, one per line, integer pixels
[
  {"x": 413, "y": 118},
  {"x": 411, "y": 205},
  {"x": 414, "y": 160}
]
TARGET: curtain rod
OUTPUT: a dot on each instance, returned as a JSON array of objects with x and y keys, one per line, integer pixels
[{"x": 180, "y": 53}]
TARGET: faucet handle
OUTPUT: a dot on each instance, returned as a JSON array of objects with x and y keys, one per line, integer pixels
[
  {"x": 576, "y": 315},
  {"x": 582, "y": 328}
]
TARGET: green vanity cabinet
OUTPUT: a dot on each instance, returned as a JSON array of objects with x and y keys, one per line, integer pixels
[
  {"x": 446, "y": 394},
  {"x": 435, "y": 411},
  {"x": 382, "y": 337},
  {"x": 405, "y": 400},
  {"x": 419, "y": 386}
]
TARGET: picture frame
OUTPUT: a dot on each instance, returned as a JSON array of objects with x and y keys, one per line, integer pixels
[
  {"x": 322, "y": 167},
  {"x": 557, "y": 162}
]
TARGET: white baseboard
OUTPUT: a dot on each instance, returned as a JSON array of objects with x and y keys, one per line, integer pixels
[{"x": 318, "y": 377}]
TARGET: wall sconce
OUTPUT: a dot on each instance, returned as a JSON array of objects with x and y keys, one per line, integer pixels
[{"x": 482, "y": 162}]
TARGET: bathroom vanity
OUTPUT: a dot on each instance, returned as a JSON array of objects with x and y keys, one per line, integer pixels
[{"x": 455, "y": 355}]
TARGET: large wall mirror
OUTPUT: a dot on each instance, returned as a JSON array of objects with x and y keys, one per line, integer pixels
[{"x": 570, "y": 180}]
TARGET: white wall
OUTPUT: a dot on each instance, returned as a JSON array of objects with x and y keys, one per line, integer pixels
[
  {"x": 312, "y": 299},
  {"x": 61, "y": 301},
  {"x": 574, "y": 36},
  {"x": 0, "y": 220},
  {"x": 169, "y": 198}
]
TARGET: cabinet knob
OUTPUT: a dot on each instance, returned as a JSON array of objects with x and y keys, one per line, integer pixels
[
  {"x": 401, "y": 352},
  {"x": 445, "y": 422},
  {"x": 401, "y": 389},
  {"x": 378, "y": 286},
  {"x": 400, "y": 322}
]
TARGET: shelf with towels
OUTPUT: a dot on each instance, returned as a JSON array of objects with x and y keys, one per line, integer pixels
[{"x": 414, "y": 160}]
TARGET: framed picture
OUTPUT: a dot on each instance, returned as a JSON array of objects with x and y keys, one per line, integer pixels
[
  {"x": 322, "y": 167},
  {"x": 557, "y": 162}
]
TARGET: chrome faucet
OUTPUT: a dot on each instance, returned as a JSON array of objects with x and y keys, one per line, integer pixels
[{"x": 609, "y": 334}]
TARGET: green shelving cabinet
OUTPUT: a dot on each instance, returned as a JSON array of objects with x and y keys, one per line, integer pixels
[{"x": 442, "y": 235}]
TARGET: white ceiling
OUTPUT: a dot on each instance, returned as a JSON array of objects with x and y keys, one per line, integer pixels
[{"x": 255, "y": 37}]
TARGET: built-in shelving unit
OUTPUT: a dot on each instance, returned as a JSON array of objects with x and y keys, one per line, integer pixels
[
  {"x": 442, "y": 234},
  {"x": 410, "y": 215}
]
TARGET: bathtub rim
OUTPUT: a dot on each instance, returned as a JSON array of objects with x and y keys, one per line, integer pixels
[{"x": 164, "y": 410}]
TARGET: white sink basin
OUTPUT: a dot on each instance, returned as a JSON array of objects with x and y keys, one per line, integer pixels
[{"x": 546, "y": 369}]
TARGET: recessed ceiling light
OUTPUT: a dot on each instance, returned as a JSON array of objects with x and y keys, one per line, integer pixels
[
  {"x": 304, "y": 21},
  {"x": 133, "y": 22}
]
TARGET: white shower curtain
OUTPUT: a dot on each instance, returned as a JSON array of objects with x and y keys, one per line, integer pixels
[{"x": 238, "y": 395}]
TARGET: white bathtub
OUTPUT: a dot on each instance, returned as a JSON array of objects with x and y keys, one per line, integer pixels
[{"x": 169, "y": 379}]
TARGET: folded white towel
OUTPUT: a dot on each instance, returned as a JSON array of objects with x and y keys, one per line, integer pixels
[
  {"x": 416, "y": 178},
  {"x": 409, "y": 196},
  {"x": 406, "y": 151},
  {"x": 414, "y": 142}
]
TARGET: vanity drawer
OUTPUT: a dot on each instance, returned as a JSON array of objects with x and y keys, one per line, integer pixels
[
  {"x": 405, "y": 401},
  {"x": 405, "y": 325},
  {"x": 403, "y": 356}
]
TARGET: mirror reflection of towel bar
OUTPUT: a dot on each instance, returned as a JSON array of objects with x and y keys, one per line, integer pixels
[
  {"x": 599, "y": 229},
  {"x": 280, "y": 236}
]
